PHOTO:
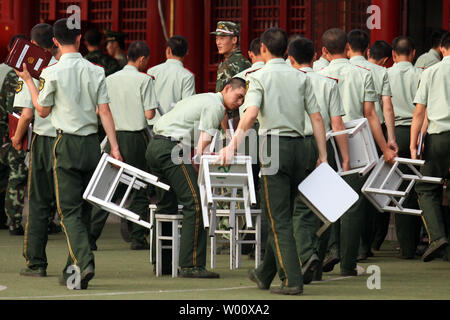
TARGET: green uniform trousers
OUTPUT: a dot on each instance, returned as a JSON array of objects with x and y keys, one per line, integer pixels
[
  {"x": 75, "y": 159},
  {"x": 12, "y": 163},
  {"x": 437, "y": 157},
  {"x": 182, "y": 179},
  {"x": 132, "y": 145},
  {"x": 42, "y": 203},
  {"x": 407, "y": 226},
  {"x": 278, "y": 193}
]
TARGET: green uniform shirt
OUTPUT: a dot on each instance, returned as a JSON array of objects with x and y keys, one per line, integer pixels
[
  {"x": 202, "y": 112},
  {"x": 320, "y": 64},
  {"x": 404, "y": 79},
  {"x": 4, "y": 69},
  {"x": 131, "y": 93},
  {"x": 173, "y": 83},
  {"x": 434, "y": 94},
  {"x": 244, "y": 74},
  {"x": 327, "y": 95},
  {"x": 282, "y": 94},
  {"x": 428, "y": 59},
  {"x": 380, "y": 81},
  {"x": 41, "y": 126},
  {"x": 228, "y": 68},
  {"x": 110, "y": 64},
  {"x": 73, "y": 87},
  {"x": 355, "y": 87}
]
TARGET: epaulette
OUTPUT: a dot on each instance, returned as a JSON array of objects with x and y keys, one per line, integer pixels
[
  {"x": 189, "y": 71},
  {"x": 302, "y": 71},
  {"x": 151, "y": 76},
  {"x": 251, "y": 71},
  {"x": 337, "y": 80},
  {"x": 363, "y": 68},
  {"x": 49, "y": 65}
]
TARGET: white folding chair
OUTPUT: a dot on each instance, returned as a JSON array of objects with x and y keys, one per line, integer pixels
[
  {"x": 327, "y": 195},
  {"x": 362, "y": 149},
  {"x": 382, "y": 186},
  {"x": 105, "y": 181}
]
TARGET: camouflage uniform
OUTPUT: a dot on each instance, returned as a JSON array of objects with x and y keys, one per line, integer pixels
[
  {"x": 119, "y": 37},
  {"x": 13, "y": 172},
  {"x": 110, "y": 64}
]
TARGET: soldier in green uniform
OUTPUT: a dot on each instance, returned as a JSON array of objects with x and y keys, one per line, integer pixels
[
  {"x": 404, "y": 79},
  {"x": 173, "y": 82},
  {"x": 432, "y": 112},
  {"x": 93, "y": 43},
  {"x": 358, "y": 43},
  {"x": 76, "y": 150},
  {"x": 433, "y": 56},
  {"x": 13, "y": 170},
  {"x": 169, "y": 154},
  {"x": 326, "y": 91},
  {"x": 358, "y": 95},
  {"x": 133, "y": 101},
  {"x": 41, "y": 189},
  {"x": 115, "y": 45},
  {"x": 278, "y": 95}
]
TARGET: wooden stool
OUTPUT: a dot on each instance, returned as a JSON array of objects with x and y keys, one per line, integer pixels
[{"x": 175, "y": 220}]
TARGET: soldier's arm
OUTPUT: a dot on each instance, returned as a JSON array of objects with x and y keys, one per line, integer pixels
[
  {"x": 22, "y": 128},
  {"x": 389, "y": 120}
]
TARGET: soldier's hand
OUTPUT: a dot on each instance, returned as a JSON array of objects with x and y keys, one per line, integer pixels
[
  {"x": 25, "y": 75},
  {"x": 115, "y": 153},
  {"x": 225, "y": 156},
  {"x": 392, "y": 144},
  {"x": 389, "y": 155},
  {"x": 16, "y": 143},
  {"x": 346, "y": 166}
]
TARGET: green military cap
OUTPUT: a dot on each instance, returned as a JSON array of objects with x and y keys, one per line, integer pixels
[
  {"x": 227, "y": 28},
  {"x": 114, "y": 36}
]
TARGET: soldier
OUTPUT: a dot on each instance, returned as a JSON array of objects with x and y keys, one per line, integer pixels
[
  {"x": 433, "y": 56},
  {"x": 432, "y": 112},
  {"x": 279, "y": 96},
  {"x": 169, "y": 157},
  {"x": 404, "y": 79},
  {"x": 173, "y": 82},
  {"x": 76, "y": 150},
  {"x": 326, "y": 91},
  {"x": 133, "y": 101},
  {"x": 12, "y": 162},
  {"x": 358, "y": 96},
  {"x": 41, "y": 189},
  {"x": 115, "y": 45},
  {"x": 93, "y": 42},
  {"x": 358, "y": 43}
]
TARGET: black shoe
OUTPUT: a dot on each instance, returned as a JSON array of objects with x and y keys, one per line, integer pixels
[
  {"x": 140, "y": 245},
  {"x": 38, "y": 272},
  {"x": 87, "y": 276},
  {"x": 253, "y": 277},
  {"x": 16, "y": 230},
  {"x": 348, "y": 273},
  {"x": 53, "y": 228},
  {"x": 125, "y": 230},
  {"x": 198, "y": 272},
  {"x": 330, "y": 261},
  {"x": 309, "y": 269},
  {"x": 433, "y": 249},
  {"x": 292, "y": 291},
  {"x": 93, "y": 246}
]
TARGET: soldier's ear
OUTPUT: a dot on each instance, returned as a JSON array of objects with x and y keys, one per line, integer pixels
[{"x": 235, "y": 40}]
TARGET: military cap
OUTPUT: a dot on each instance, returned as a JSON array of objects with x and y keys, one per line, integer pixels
[
  {"x": 114, "y": 36},
  {"x": 227, "y": 28}
]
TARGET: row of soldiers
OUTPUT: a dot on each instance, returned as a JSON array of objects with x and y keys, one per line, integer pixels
[{"x": 290, "y": 101}]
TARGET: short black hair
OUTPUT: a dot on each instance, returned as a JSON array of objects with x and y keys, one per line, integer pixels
[
  {"x": 358, "y": 40},
  {"x": 178, "y": 45},
  {"x": 445, "y": 41},
  {"x": 42, "y": 33},
  {"x": 302, "y": 50},
  {"x": 436, "y": 37},
  {"x": 235, "y": 83},
  {"x": 255, "y": 46},
  {"x": 93, "y": 37},
  {"x": 276, "y": 41},
  {"x": 138, "y": 49},
  {"x": 15, "y": 37},
  {"x": 64, "y": 34},
  {"x": 335, "y": 40},
  {"x": 294, "y": 37},
  {"x": 403, "y": 46},
  {"x": 380, "y": 50}
]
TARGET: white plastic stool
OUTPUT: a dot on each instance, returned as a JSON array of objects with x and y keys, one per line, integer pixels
[
  {"x": 175, "y": 220},
  {"x": 240, "y": 232}
]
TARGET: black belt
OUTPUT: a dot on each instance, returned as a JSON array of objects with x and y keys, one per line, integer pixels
[{"x": 159, "y": 137}]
